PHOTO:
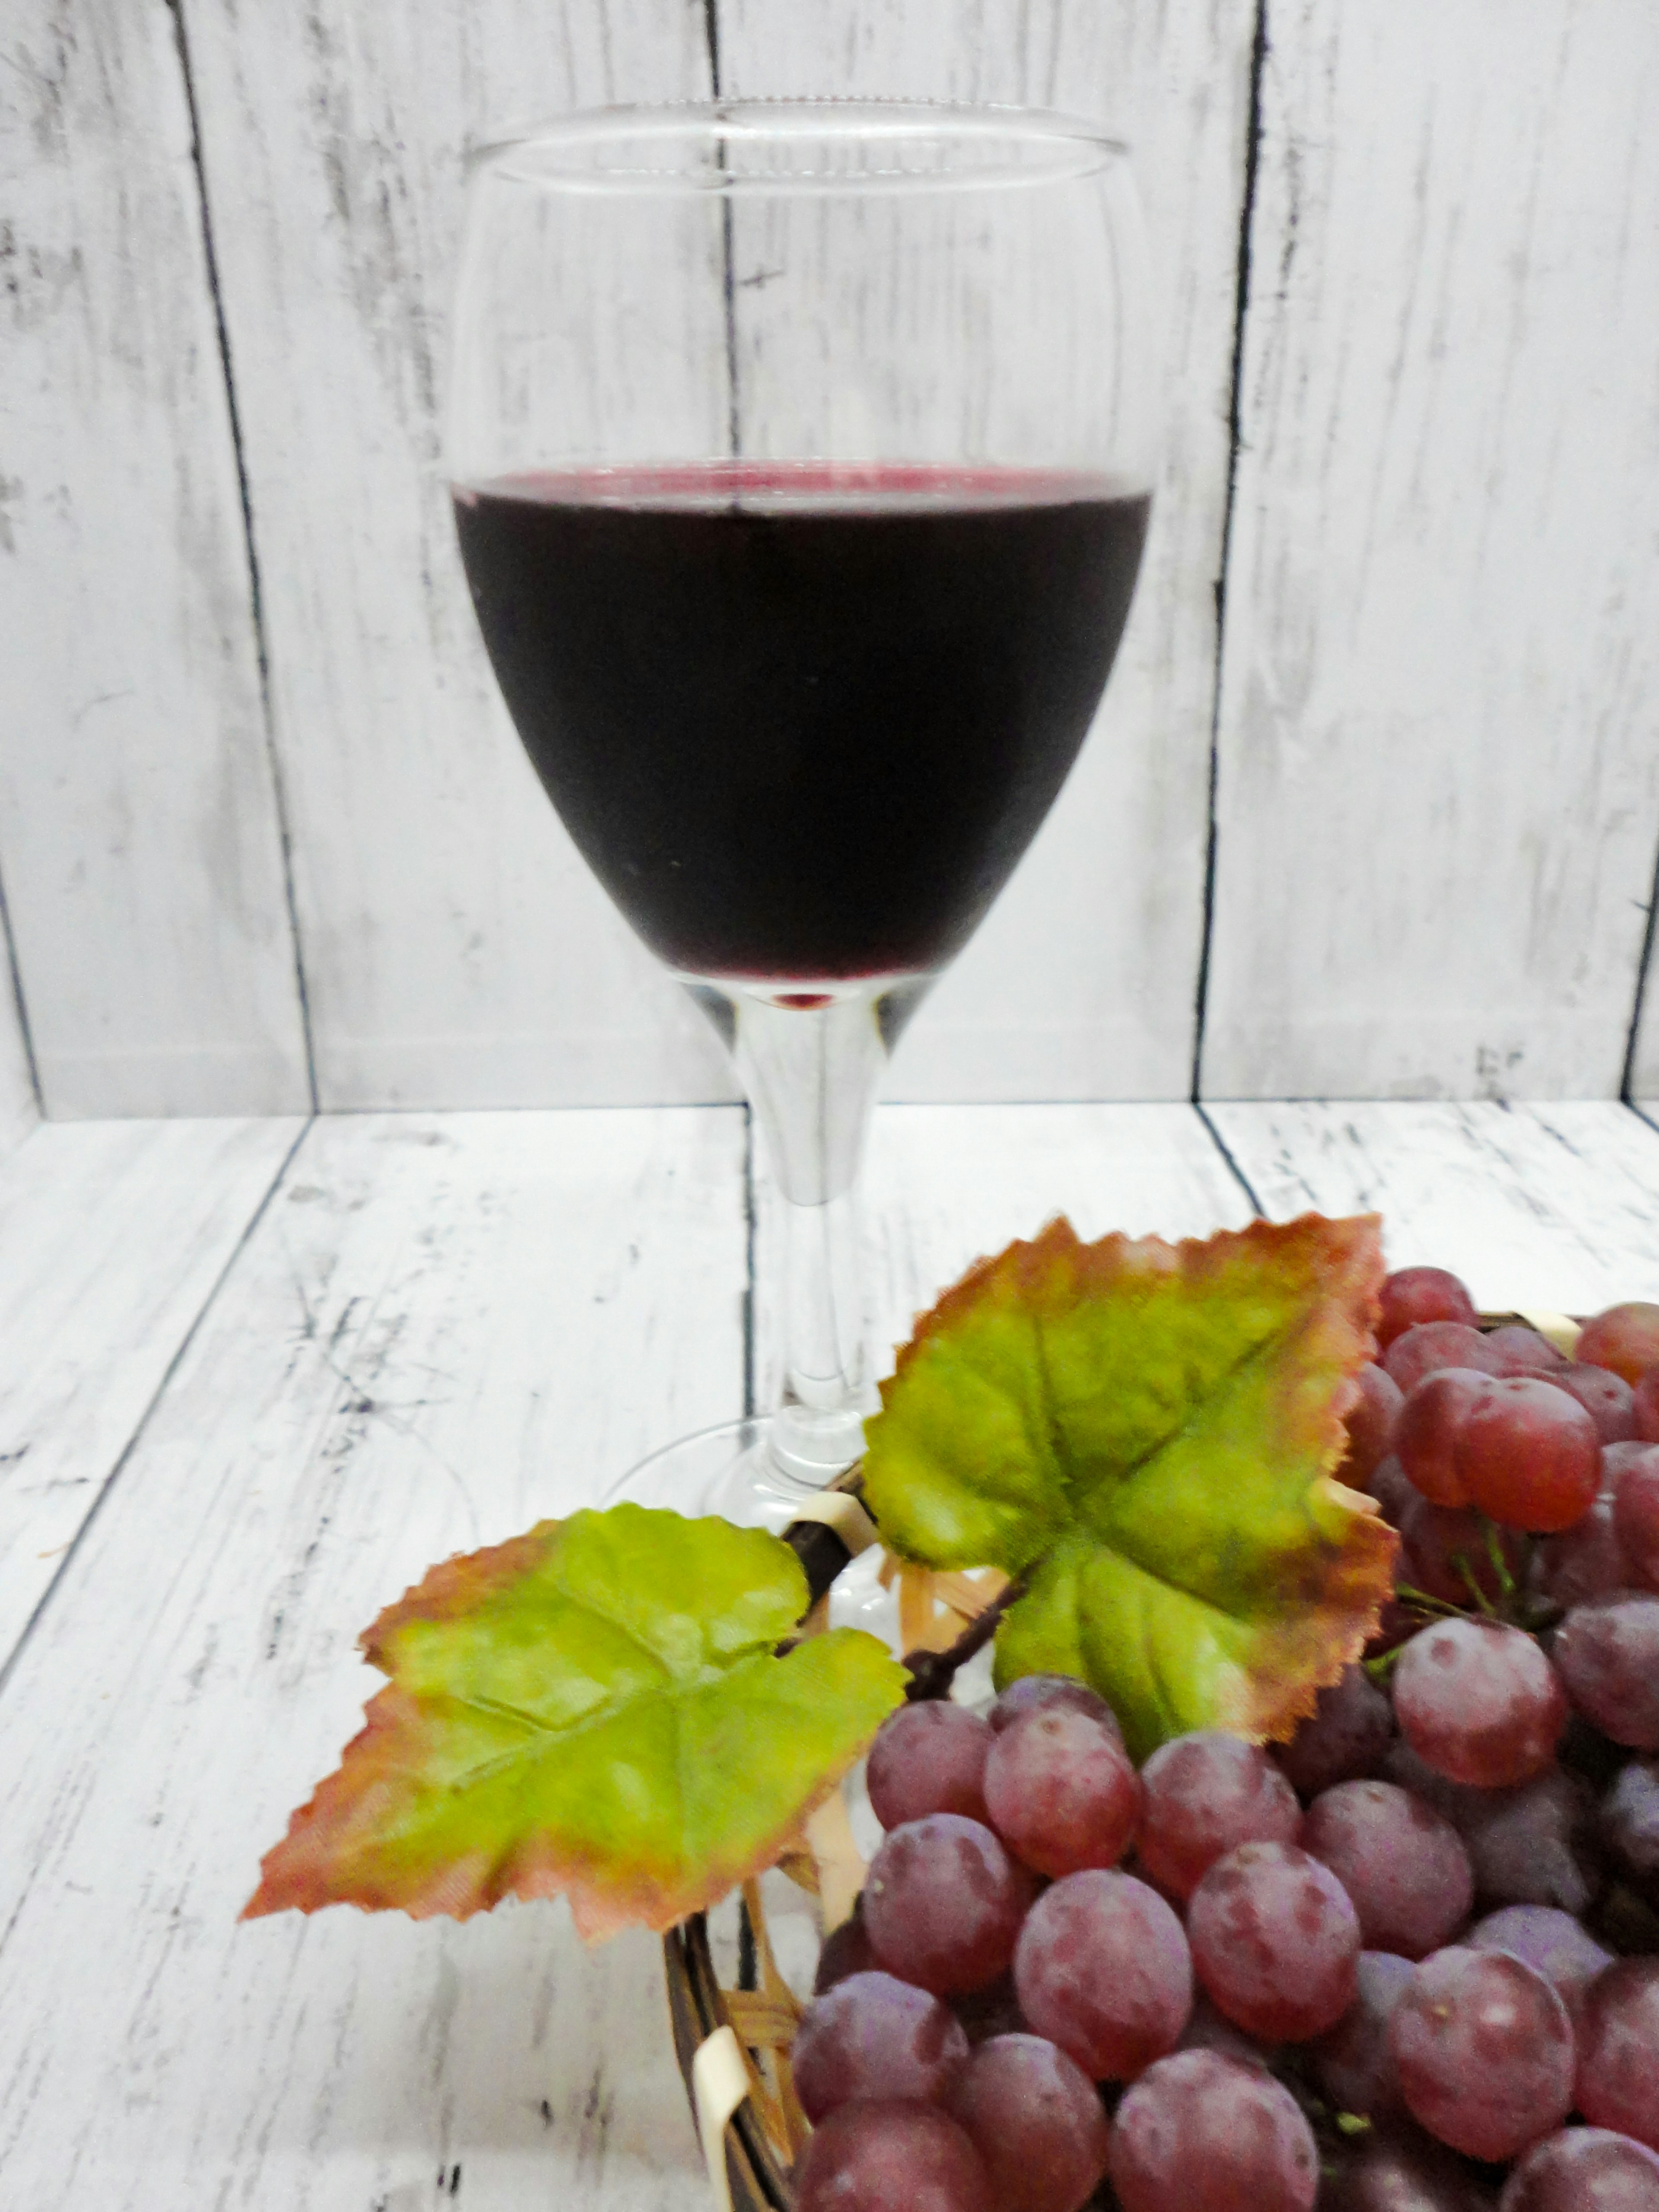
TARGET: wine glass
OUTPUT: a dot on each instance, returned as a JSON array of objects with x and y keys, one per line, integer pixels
[{"x": 801, "y": 458}]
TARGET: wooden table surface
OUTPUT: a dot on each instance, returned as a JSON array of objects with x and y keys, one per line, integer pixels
[{"x": 256, "y": 1374}]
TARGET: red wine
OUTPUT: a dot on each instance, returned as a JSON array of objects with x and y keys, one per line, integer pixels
[{"x": 801, "y": 720}]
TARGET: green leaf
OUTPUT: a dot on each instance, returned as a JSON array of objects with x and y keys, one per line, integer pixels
[
  {"x": 1146, "y": 1432},
  {"x": 596, "y": 1709}
]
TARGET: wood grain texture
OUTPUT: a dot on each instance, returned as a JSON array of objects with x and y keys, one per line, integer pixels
[
  {"x": 1439, "y": 788},
  {"x": 439, "y": 1332},
  {"x": 139, "y": 836},
  {"x": 1554, "y": 1205},
  {"x": 458, "y": 950},
  {"x": 1080, "y": 983},
  {"x": 113, "y": 1237}
]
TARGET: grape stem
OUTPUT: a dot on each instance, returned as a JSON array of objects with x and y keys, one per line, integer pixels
[{"x": 932, "y": 1672}]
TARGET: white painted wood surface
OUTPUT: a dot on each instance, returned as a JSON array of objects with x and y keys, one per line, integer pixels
[
  {"x": 139, "y": 839},
  {"x": 113, "y": 1236},
  {"x": 1439, "y": 783}
]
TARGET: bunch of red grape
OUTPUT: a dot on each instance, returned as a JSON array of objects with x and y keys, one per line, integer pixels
[{"x": 1378, "y": 1970}]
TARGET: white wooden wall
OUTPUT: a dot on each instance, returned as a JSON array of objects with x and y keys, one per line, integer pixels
[{"x": 1390, "y": 828}]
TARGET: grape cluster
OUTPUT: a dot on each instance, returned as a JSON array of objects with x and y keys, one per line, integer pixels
[{"x": 1408, "y": 1962}]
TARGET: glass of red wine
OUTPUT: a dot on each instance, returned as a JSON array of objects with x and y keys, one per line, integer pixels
[{"x": 801, "y": 458}]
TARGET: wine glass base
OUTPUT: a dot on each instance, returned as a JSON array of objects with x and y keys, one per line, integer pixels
[{"x": 729, "y": 1472}]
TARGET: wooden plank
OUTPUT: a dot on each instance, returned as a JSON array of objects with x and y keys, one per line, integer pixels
[
  {"x": 458, "y": 950},
  {"x": 112, "y": 1237},
  {"x": 946, "y": 1185},
  {"x": 1553, "y": 1206},
  {"x": 1439, "y": 791},
  {"x": 439, "y": 1332},
  {"x": 1080, "y": 983},
  {"x": 139, "y": 836}
]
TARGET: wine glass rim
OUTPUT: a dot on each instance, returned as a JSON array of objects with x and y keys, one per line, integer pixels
[{"x": 548, "y": 150}]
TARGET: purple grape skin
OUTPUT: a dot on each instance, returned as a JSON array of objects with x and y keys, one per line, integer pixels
[
  {"x": 1210, "y": 2030},
  {"x": 1584, "y": 2170},
  {"x": 845, "y": 1950},
  {"x": 1036, "y": 2120},
  {"x": 1104, "y": 1971},
  {"x": 1584, "y": 1561},
  {"x": 873, "y": 2157},
  {"x": 1551, "y": 1941},
  {"x": 1393, "y": 1489},
  {"x": 1429, "y": 1345},
  {"x": 1205, "y": 1794},
  {"x": 1038, "y": 1693},
  {"x": 1524, "y": 1351},
  {"x": 1354, "y": 2063},
  {"x": 928, "y": 1758},
  {"x": 1619, "y": 2051},
  {"x": 1607, "y": 1652},
  {"x": 1606, "y": 1397},
  {"x": 943, "y": 1903},
  {"x": 1370, "y": 1424},
  {"x": 1479, "y": 1702},
  {"x": 1343, "y": 1738},
  {"x": 877, "y": 2039},
  {"x": 1061, "y": 1791},
  {"x": 1629, "y": 1823},
  {"x": 1199, "y": 2129},
  {"x": 1401, "y": 1862},
  {"x": 993, "y": 2010},
  {"x": 1402, "y": 2169},
  {"x": 1275, "y": 1942},
  {"x": 1527, "y": 1844},
  {"x": 1485, "y": 2049},
  {"x": 1636, "y": 1512}
]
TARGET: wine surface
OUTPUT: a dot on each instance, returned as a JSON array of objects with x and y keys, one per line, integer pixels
[{"x": 802, "y": 720}]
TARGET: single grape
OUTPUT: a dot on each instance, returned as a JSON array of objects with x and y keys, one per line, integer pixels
[
  {"x": 1619, "y": 2051},
  {"x": 1414, "y": 1295},
  {"x": 1645, "y": 1405},
  {"x": 1583, "y": 2169},
  {"x": 1479, "y": 1702},
  {"x": 1552, "y": 1942},
  {"x": 1345, "y": 1737},
  {"x": 1210, "y": 2030},
  {"x": 1636, "y": 1516},
  {"x": 1036, "y": 2121},
  {"x": 1606, "y": 1397},
  {"x": 1617, "y": 1461},
  {"x": 1525, "y": 1351},
  {"x": 1449, "y": 1552},
  {"x": 1393, "y": 1489},
  {"x": 1398, "y": 2168},
  {"x": 1584, "y": 1561},
  {"x": 1485, "y": 2049},
  {"x": 1199, "y": 2129},
  {"x": 1436, "y": 1344},
  {"x": 1061, "y": 1790},
  {"x": 1353, "y": 2062},
  {"x": 1038, "y": 1693},
  {"x": 943, "y": 1903},
  {"x": 1369, "y": 1424},
  {"x": 1629, "y": 1825},
  {"x": 1625, "y": 1337},
  {"x": 928, "y": 1758},
  {"x": 1607, "y": 1652},
  {"x": 1533, "y": 1843},
  {"x": 1205, "y": 1793},
  {"x": 1103, "y": 1970},
  {"x": 845, "y": 1950},
  {"x": 873, "y": 2037},
  {"x": 1402, "y": 1864},
  {"x": 1275, "y": 1942},
  {"x": 1530, "y": 1454},
  {"x": 1430, "y": 1421},
  {"x": 875, "y": 2157}
]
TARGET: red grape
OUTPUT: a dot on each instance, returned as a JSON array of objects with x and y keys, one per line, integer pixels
[
  {"x": 874, "y": 2037},
  {"x": 1619, "y": 2051},
  {"x": 1202, "y": 2130},
  {"x": 1606, "y": 1397},
  {"x": 1038, "y": 1693},
  {"x": 1400, "y": 1862},
  {"x": 1210, "y": 2030},
  {"x": 1607, "y": 1652},
  {"x": 1436, "y": 1344},
  {"x": 1205, "y": 1793},
  {"x": 1037, "y": 2122},
  {"x": 1427, "y": 1432},
  {"x": 928, "y": 1758},
  {"x": 1645, "y": 1405},
  {"x": 1584, "y": 2170},
  {"x": 1525, "y": 1351},
  {"x": 1636, "y": 1516},
  {"x": 1583, "y": 1561},
  {"x": 1532, "y": 1844},
  {"x": 1485, "y": 2049},
  {"x": 1479, "y": 1702},
  {"x": 1103, "y": 1970},
  {"x": 1061, "y": 1790},
  {"x": 1630, "y": 1823},
  {"x": 1275, "y": 1941},
  {"x": 1353, "y": 2062},
  {"x": 1625, "y": 1337},
  {"x": 1347, "y": 1733},
  {"x": 1370, "y": 1426},
  {"x": 1396, "y": 2170},
  {"x": 1552, "y": 1942},
  {"x": 873, "y": 2157},
  {"x": 1530, "y": 1454},
  {"x": 1393, "y": 1489},
  {"x": 1414, "y": 1295},
  {"x": 943, "y": 1902},
  {"x": 1449, "y": 1552}
]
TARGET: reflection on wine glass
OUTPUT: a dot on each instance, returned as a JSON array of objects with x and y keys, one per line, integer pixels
[{"x": 801, "y": 464}]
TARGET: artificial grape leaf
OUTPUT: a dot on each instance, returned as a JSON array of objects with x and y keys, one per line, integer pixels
[
  {"x": 594, "y": 1708},
  {"x": 1146, "y": 1432}
]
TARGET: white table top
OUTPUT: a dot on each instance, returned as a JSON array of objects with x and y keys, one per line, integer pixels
[{"x": 256, "y": 1376}]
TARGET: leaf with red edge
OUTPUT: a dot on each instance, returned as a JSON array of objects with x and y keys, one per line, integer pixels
[
  {"x": 1147, "y": 1433},
  {"x": 596, "y": 1708}
]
